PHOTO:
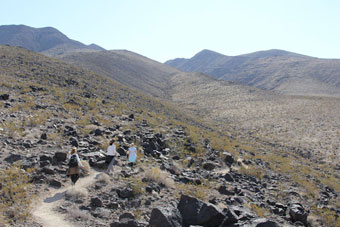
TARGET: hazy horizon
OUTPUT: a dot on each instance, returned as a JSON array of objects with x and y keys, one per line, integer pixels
[{"x": 171, "y": 29}]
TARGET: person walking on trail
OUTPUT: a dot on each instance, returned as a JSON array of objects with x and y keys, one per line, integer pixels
[
  {"x": 132, "y": 152},
  {"x": 110, "y": 156},
  {"x": 74, "y": 165}
]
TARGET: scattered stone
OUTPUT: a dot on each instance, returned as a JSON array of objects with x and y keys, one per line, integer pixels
[
  {"x": 209, "y": 166},
  {"x": 55, "y": 183},
  {"x": 13, "y": 158},
  {"x": 48, "y": 171},
  {"x": 228, "y": 159},
  {"x": 166, "y": 217},
  {"x": 224, "y": 190},
  {"x": 60, "y": 156},
  {"x": 127, "y": 216},
  {"x": 125, "y": 223},
  {"x": 125, "y": 192},
  {"x": 74, "y": 142},
  {"x": 96, "y": 202},
  {"x": 4, "y": 97},
  {"x": 43, "y": 136},
  {"x": 45, "y": 158}
]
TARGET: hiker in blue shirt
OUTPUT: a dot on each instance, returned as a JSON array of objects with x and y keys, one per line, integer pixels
[{"x": 132, "y": 152}]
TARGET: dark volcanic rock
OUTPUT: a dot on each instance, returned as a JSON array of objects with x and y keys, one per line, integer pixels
[
  {"x": 4, "y": 97},
  {"x": 228, "y": 177},
  {"x": 195, "y": 212},
  {"x": 43, "y": 136},
  {"x": 74, "y": 141},
  {"x": 125, "y": 192},
  {"x": 60, "y": 156},
  {"x": 70, "y": 131},
  {"x": 48, "y": 171},
  {"x": 55, "y": 183},
  {"x": 13, "y": 158},
  {"x": 228, "y": 159},
  {"x": 298, "y": 213},
  {"x": 125, "y": 223},
  {"x": 224, "y": 190},
  {"x": 127, "y": 216},
  {"x": 209, "y": 166},
  {"x": 45, "y": 158},
  {"x": 96, "y": 202},
  {"x": 165, "y": 217}
]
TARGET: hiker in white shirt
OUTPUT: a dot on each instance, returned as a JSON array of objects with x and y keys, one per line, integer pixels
[{"x": 110, "y": 155}]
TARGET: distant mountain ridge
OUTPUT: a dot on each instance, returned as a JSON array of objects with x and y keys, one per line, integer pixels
[
  {"x": 128, "y": 68},
  {"x": 47, "y": 40},
  {"x": 278, "y": 70}
]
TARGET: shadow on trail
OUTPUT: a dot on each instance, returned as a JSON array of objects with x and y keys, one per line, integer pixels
[{"x": 56, "y": 197}]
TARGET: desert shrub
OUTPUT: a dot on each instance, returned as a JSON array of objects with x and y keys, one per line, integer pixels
[
  {"x": 259, "y": 211},
  {"x": 328, "y": 217},
  {"x": 103, "y": 178},
  {"x": 76, "y": 193},
  {"x": 198, "y": 191},
  {"x": 159, "y": 176},
  {"x": 137, "y": 186},
  {"x": 252, "y": 171},
  {"x": 15, "y": 200},
  {"x": 76, "y": 214}
]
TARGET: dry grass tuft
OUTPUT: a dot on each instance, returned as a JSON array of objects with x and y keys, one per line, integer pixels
[
  {"x": 159, "y": 176},
  {"x": 76, "y": 193},
  {"x": 103, "y": 178},
  {"x": 77, "y": 214}
]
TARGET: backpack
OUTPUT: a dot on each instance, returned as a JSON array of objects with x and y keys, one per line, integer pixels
[{"x": 73, "y": 161}]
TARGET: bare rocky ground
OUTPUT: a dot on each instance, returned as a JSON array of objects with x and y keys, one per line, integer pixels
[
  {"x": 162, "y": 189},
  {"x": 307, "y": 124},
  {"x": 181, "y": 178}
]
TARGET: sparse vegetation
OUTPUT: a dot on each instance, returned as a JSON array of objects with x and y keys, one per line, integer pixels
[{"x": 15, "y": 194}]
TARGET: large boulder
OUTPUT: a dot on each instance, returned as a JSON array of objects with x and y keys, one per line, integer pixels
[
  {"x": 195, "y": 212},
  {"x": 60, "y": 156},
  {"x": 228, "y": 158},
  {"x": 165, "y": 217},
  {"x": 298, "y": 213}
]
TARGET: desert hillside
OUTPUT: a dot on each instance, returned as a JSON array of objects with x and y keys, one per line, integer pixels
[
  {"x": 128, "y": 68},
  {"x": 289, "y": 121},
  {"x": 277, "y": 70},
  {"x": 185, "y": 165},
  {"x": 46, "y": 40}
]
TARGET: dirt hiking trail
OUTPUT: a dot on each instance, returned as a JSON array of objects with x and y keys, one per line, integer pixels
[{"x": 44, "y": 211}]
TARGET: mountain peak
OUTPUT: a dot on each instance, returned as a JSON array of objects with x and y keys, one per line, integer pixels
[
  {"x": 47, "y": 40},
  {"x": 208, "y": 53},
  {"x": 272, "y": 53}
]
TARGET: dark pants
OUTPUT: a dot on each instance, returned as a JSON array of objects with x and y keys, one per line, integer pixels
[
  {"x": 74, "y": 178},
  {"x": 110, "y": 160}
]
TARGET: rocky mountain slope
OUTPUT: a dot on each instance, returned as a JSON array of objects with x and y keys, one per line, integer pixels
[
  {"x": 187, "y": 173},
  {"x": 46, "y": 40},
  {"x": 128, "y": 68},
  {"x": 277, "y": 70},
  {"x": 253, "y": 114}
]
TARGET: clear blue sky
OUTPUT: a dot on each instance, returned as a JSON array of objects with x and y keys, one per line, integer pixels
[{"x": 166, "y": 29}]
